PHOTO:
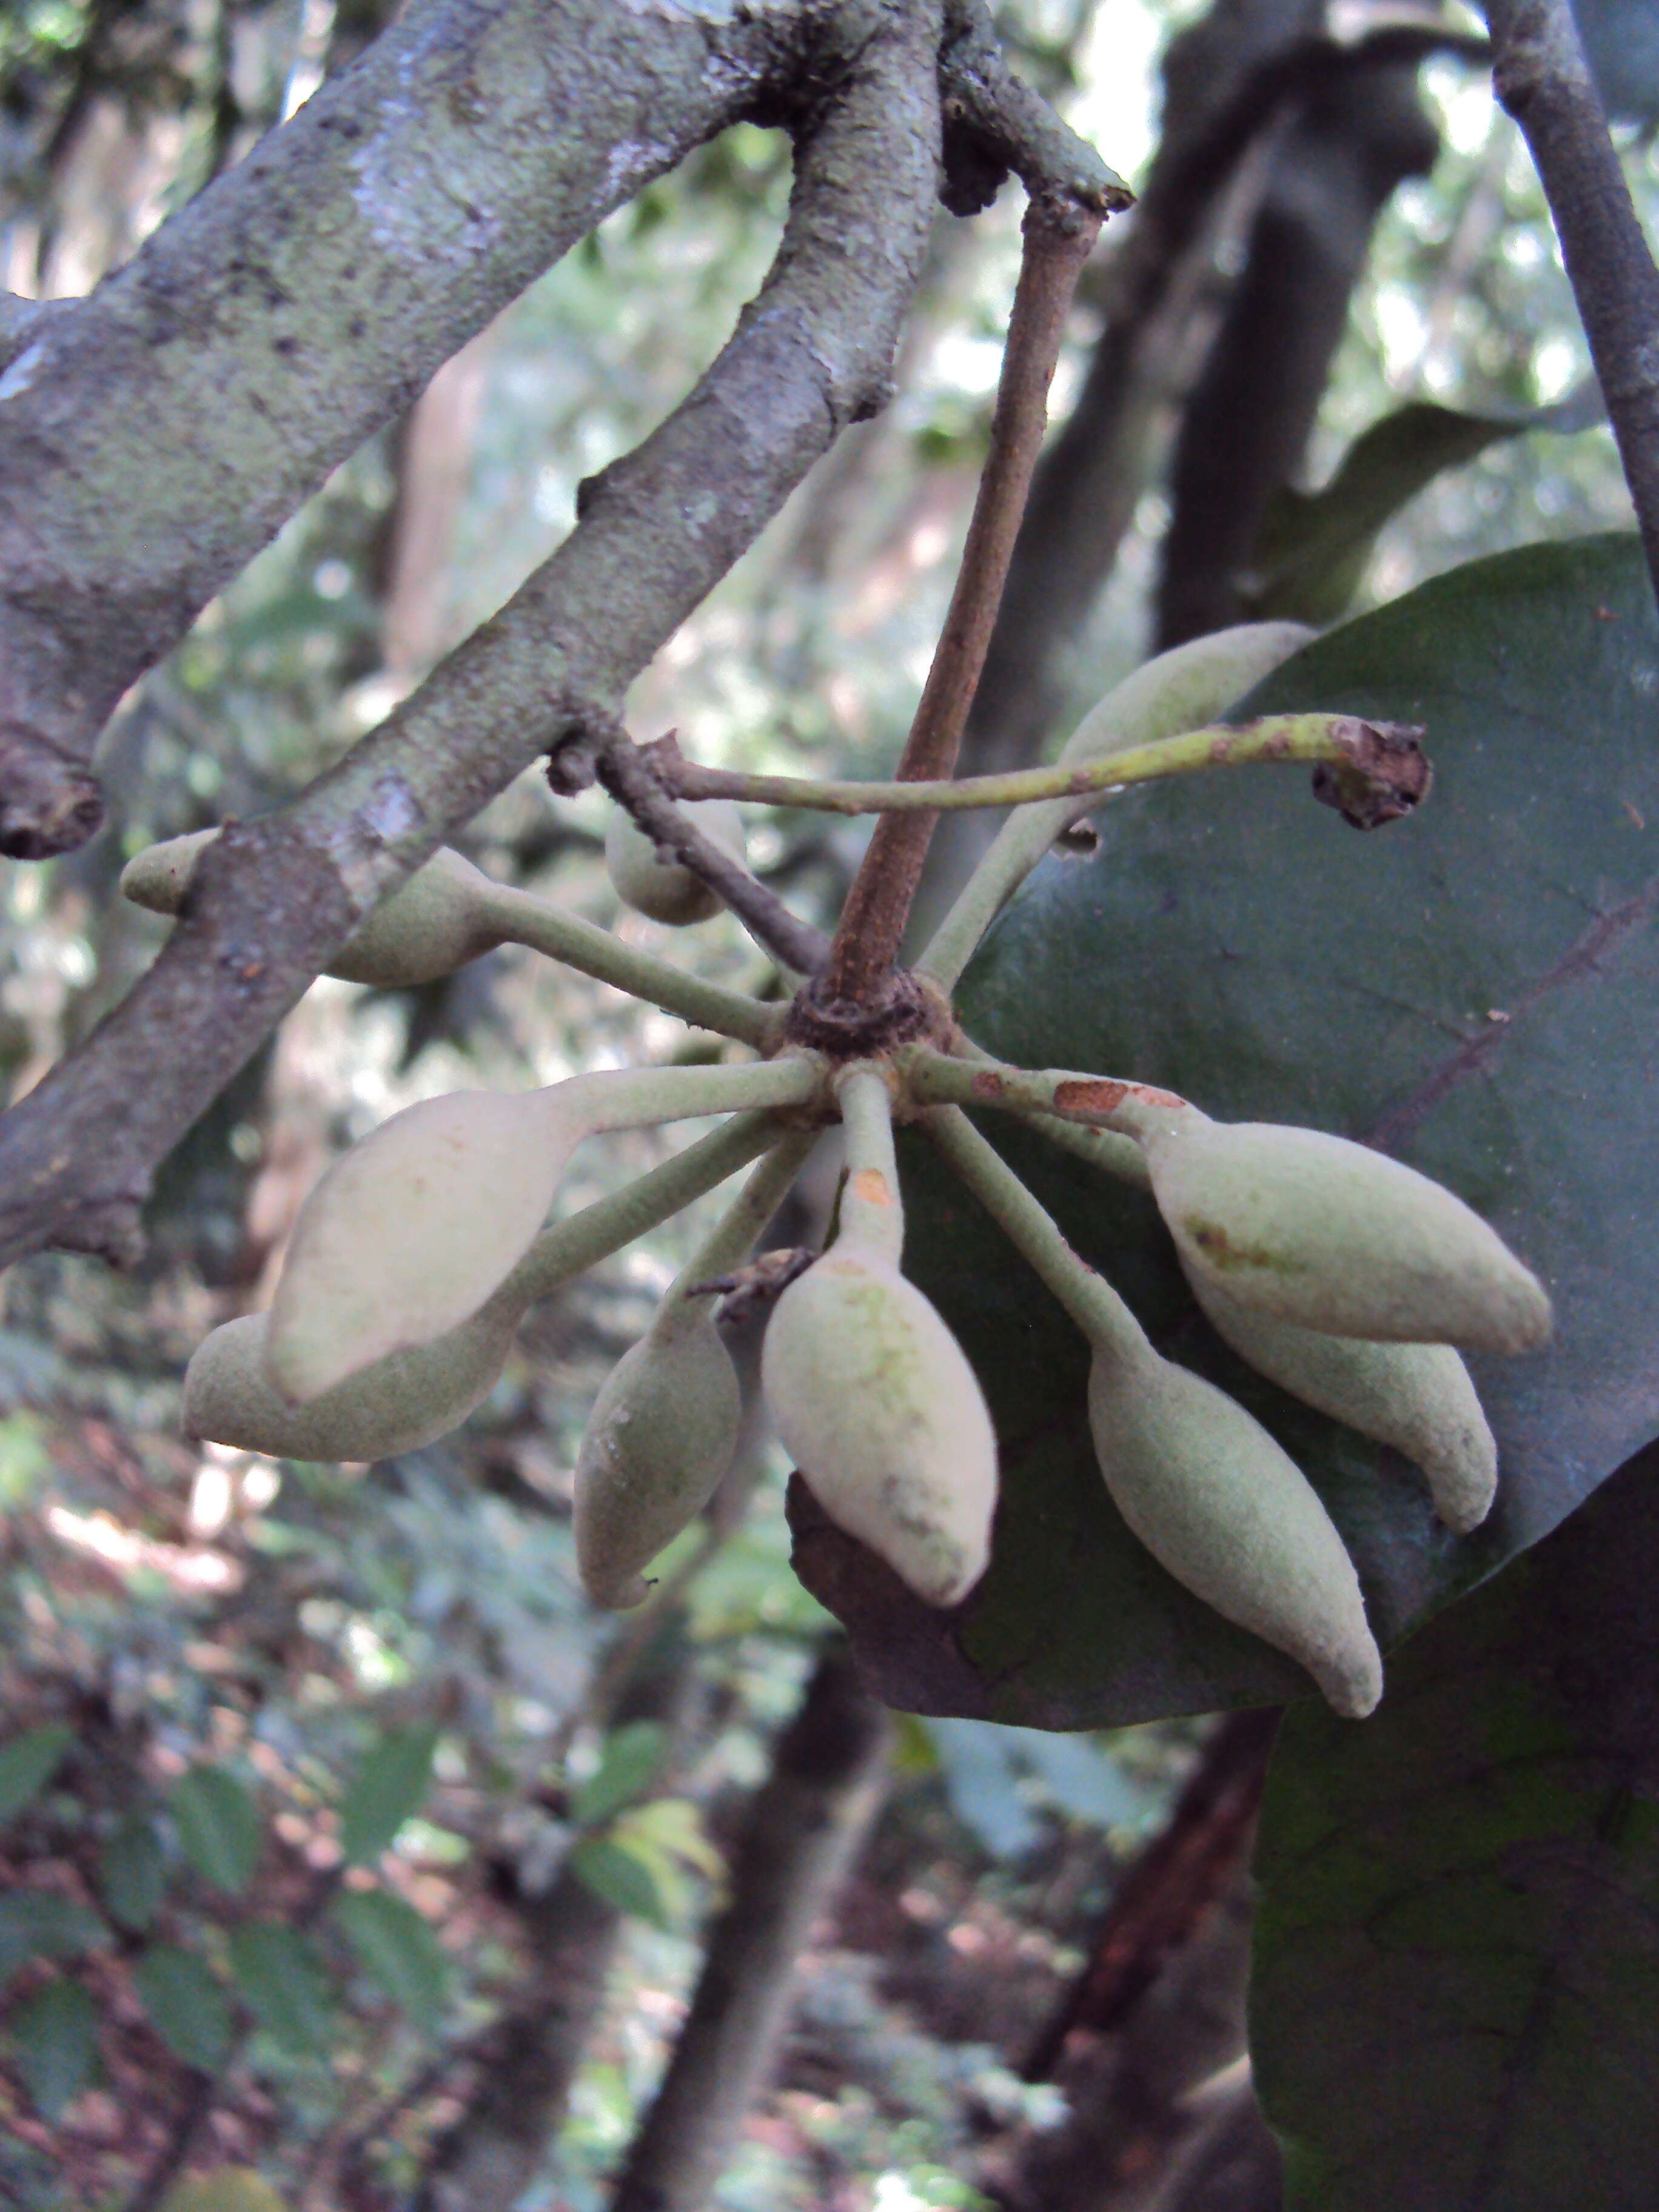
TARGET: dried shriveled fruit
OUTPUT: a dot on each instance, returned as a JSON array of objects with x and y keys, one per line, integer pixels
[
  {"x": 1333, "y": 1237},
  {"x": 1217, "y": 1503},
  {"x": 667, "y": 890},
  {"x": 875, "y": 1400},
  {"x": 659, "y": 1441},
  {"x": 1416, "y": 1397}
]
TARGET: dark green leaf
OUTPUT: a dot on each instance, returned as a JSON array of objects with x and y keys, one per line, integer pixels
[
  {"x": 34, "y": 1924},
  {"x": 630, "y": 1880},
  {"x": 186, "y": 2007},
  {"x": 386, "y": 1788},
  {"x": 396, "y": 1950},
  {"x": 132, "y": 1874},
  {"x": 218, "y": 1827},
  {"x": 56, "y": 2033},
  {"x": 28, "y": 1762},
  {"x": 1473, "y": 988},
  {"x": 1457, "y": 1948},
  {"x": 286, "y": 1988},
  {"x": 628, "y": 1764},
  {"x": 1314, "y": 547}
]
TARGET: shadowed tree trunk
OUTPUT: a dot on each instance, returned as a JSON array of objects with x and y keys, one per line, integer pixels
[
  {"x": 499, "y": 2144},
  {"x": 1156, "y": 2011},
  {"x": 804, "y": 1830}
]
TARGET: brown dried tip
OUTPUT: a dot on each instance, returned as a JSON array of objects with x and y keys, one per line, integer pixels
[{"x": 1384, "y": 774}]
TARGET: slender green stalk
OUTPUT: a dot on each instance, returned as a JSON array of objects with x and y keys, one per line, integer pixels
[
  {"x": 872, "y": 1212},
  {"x": 1101, "y": 1148},
  {"x": 1099, "y": 1102},
  {"x": 1221, "y": 745},
  {"x": 570, "y": 1247},
  {"x": 634, "y": 1098},
  {"x": 526, "y": 920},
  {"x": 1090, "y": 1300},
  {"x": 731, "y": 1239}
]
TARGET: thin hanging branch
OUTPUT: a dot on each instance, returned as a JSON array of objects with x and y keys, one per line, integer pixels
[
  {"x": 1059, "y": 236},
  {"x": 1543, "y": 80}
]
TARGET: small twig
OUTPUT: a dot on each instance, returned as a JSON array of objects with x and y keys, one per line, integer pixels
[
  {"x": 1541, "y": 78},
  {"x": 1058, "y": 240},
  {"x": 631, "y": 781},
  {"x": 993, "y": 121},
  {"x": 1385, "y": 769}
]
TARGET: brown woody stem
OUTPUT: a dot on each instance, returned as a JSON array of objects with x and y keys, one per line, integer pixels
[
  {"x": 631, "y": 781},
  {"x": 1058, "y": 240}
]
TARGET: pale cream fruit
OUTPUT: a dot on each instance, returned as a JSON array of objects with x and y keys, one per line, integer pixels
[
  {"x": 413, "y": 1229},
  {"x": 1217, "y": 1503},
  {"x": 1333, "y": 1237},
  {"x": 667, "y": 890},
  {"x": 659, "y": 1442},
  {"x": 1416, "y": 1397},
  {"x": 396, "y": 1404},
  {"x": 876, "y": 1401}
]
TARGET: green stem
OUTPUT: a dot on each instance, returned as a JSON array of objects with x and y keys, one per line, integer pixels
[
  {"x": 526, "y": 920},
  {"x": 572, "y": 1247},
  {"x": 636, "y": 1098},
  {"x": 731, "y": 1239},
  {"x": 872, "y": 1212},
  {"x": 1220, "y": 745},
  {"x": 1090, "y": 1300},
  {"x": 1098, "y": 1102}
]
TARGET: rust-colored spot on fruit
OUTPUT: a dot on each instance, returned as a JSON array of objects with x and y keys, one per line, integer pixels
[
  {"x": 869, "y": 1185},
  {"x": 1098, "y": 1094},
  {"x": 1150, "y": 1097},
  {"x": 987, "y": 1085},
  {"x": 1225, "y": 1254}
]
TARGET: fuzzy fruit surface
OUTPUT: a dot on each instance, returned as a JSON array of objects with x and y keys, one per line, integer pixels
[
  {"x": 397, "y": 1404},
  {"x": 667, "y": 890},
  {"x": 875, "y": 1400},
  {"x": 1216, "y": 1502},
  {"x": 1314, "y": 1229},
  {"x": 1416, "y": 1397},
  {"x": 659, "y": 1442}
]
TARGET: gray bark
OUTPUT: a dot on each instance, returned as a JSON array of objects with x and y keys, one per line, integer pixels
[{"x": 803, "y": 1831}]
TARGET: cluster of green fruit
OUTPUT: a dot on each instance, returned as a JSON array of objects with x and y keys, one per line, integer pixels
[{"x": 1343, "y": 1276}]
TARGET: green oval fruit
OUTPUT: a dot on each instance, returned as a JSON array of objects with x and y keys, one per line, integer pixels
[
  {"x": 659, "y": 1442},
  {"x": 1339, "y": 1238},
  {"x": 412, "y": 1229},
  {"x": 1217, "y": 1503},
  {"x": 159, "y": 877},
  {"x": 875, "y": 1400},
  {"x": 667, "y": 890},
  {"x": 435, "y": 923},
  {"x": 396, "y": 1404},
  {"x": 1416, "y": 1397}
]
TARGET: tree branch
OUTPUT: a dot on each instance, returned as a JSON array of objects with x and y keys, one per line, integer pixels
[
  {"x": 273, "y": 900},
  {"x": 1541, "y": 78},
  {"x": 993, "y": 122},
  {"x": 1058, "y": 240},
  {"x": 154, "y": 435},
  {"x": 633, "y": 779}
]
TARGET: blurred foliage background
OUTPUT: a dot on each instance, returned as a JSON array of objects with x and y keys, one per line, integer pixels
[{"x": 326, "y": 1803}]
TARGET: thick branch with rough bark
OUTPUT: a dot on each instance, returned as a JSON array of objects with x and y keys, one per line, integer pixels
[
  {"x": 273, "y": 900},
  {"x": 1544, "y": 82},
  {"x": 156, "y": 435}
]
